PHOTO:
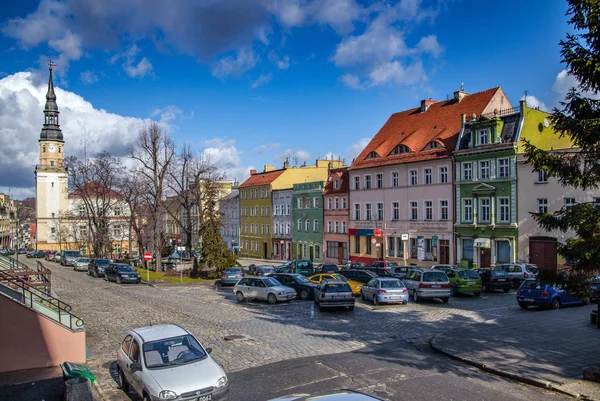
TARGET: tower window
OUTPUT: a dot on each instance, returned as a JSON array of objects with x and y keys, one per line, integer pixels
[
  {"x": 59, "y": 149},
  {"x": 43, "y": 148},
  {"x": 52, "y": 184},
  {"x": 52, "y": 164}
]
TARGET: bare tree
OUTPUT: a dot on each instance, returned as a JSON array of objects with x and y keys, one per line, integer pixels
[
  {"x": 133, "y": 187},
  {"x": 95, "y": 182},
  {"x": 61, "y": 230},
  {"x": 154, "y": 151}
]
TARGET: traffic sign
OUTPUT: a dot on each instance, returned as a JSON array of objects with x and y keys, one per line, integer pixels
[
  {"x": 373, "y": 241},
  {"x": 147, "y": 256}
]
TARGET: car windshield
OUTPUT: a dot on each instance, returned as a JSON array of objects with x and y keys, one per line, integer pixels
[
  {"x": 172, "y": 351},
  {"x": 434, "y": 276},
  {"x": 392, "y": 284},
  {"x": 391, "y": 264},
  {"x": 266, "y": 269},
  {"x": 83, "y": 260},
  {"x": 102, "y": 262},
  {"x": 233, "y": 271},
  {"x": 71, "y": 254},
  {"x": 337, "y": 287},
  {"x": 533, "y": 269},
  {"x": 125, "y": 269},
  {"x": 339, "y": 277},
  {"x": 300, "y": 278},
  {"x": 531, "y": 285},
  {"x": 271, "y": 282},
  {"x": 304, "y": 264},
  {"x": 468, "y": 274},
  {"x": 499, "y": 273}
]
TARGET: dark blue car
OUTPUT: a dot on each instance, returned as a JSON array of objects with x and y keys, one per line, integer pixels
[{"x": 549, "y": 296}]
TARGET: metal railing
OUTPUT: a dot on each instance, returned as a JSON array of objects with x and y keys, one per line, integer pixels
[{"x": 18, "y": 289}]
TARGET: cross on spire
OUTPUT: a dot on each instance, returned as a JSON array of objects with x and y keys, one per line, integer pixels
[{"x": 52, "y": 64}]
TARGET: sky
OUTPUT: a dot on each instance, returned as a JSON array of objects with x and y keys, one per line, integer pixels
[{"x": 251, "y": 82}]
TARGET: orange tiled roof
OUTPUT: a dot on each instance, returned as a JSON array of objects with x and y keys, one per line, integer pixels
[
  {"x": 415, "y": 129},
  {"x": 341, "y": 175},
  {"x": 262, "y": 178}
]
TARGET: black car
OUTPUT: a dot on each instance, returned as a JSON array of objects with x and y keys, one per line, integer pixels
[
  {"x": 97, "y": 266},
  {"x": 121, "y": 273},
  {"x": 22, "y": 251},
  {"x": 495, "y": 280},
  {"x": 360, "y": 275},
  {"x": 304, "y": 288},
  {"x": 382, "y": 272},
  {"x": 329, "y": 268},
  {"x": 36, "y": 254}
]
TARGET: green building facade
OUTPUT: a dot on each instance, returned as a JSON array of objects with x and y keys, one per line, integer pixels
[{"x": 307, "y": 221}]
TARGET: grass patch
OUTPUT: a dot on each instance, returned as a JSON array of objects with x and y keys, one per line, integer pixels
[{"x": 171, "y": 277}]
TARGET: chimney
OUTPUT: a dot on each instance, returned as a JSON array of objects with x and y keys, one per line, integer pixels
[
  {"x": 252, "y": 172},
  {"x": 286, "y": 164},
  {"x": 425, "y": 104},
  {"x": 460, "y": 95},
  {"x": 268, "y": 168}
]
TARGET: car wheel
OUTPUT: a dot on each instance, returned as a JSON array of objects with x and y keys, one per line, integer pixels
[
  {"x": 375, "y": 300},
  {"x": 146, "y": 397},
  {"x": 304, "y": 295},
  {"x": 123, "y": 381},
  {"x": 272, "y": 299},
  {"x": 415, "y": 296},
  {"x": 506, "y": 290},
  {"x": 118, "y": 279},
  {"x": 239, "y": 296},
  {"x": 476, "y": 294},
  {"x": 452, "y": 291},
  {"x": 522, "y": 305},
  {"x": 445, "y": 300},
  {"x": 555, "y": 303}
]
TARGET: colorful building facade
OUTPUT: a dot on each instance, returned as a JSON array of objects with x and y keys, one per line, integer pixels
[
  {"x": 282, "y": 224},
  {"x": 336, "y": 196},
  {"x": 307, "y": 214}
]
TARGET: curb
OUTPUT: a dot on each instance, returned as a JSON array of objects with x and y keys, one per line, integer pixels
[
  {"x": 498, "y": 372},
  {"x": 99, "y": 391}
]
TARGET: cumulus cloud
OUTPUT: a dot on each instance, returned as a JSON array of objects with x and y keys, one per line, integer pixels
[
  {"x": 357, "y": 147},
  {"x": 236, "y": 65},
  {"x": 563, "y": 84},
  {"x": 88, "y": 77},
  {"x": 263, "y": 79},
  {"x": 535, "y": 103},
  {"x": 133, "y": 67},
  {"x": 338, "y": 14},
  {"x": 225, "y": 154},
  {"x": 22, "y": 99},
  {"x": 167, "y": 115}
]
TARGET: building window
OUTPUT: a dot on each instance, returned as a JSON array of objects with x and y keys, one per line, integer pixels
[
  {"x": 262, "y": 210},
  {"x": 344, "y": 204},
  {"x": 337, "y": 226},
  {"x": 329, "y": 226},
  {"x": 367, "y": 182},
  {"x": 395, "y": 179},
  {"x": 287, "y": 210},
  {"x": 329, "y": 203},
  {"x": 262, "y": 229},
  {"x": 81, "y": 210},
  {"x": 335, "y": 184},
  {"x": 503, "y": 168},
  {"x": 256, "y": 210},
  {"x": 412, "y": 177},
  {"x": 400, "y": 149},
  {"x": 369, "y": 245},
  {"x": 444, "y": 210},
  {"x": 542, "y": 177},
  {"x": 337, "y": 203},
  {"x": 299, "y": 224},
  {"x": 379, "y": 178},
  {"x": 357, "y": 244},
  {"x": 368, "y": 215},
  {"x": 357, "y": 211},
  {"x": 484, "y": 210},
  {"x": 44, "y": 151},
  {"x": 414, "y": 212},
  {"x": 395, "y": 211},
  {"x": 504, "y": 210},
  {"x": 299, "y": 203},
  {"x": 380, "y": 211},
  {"x": 467, "y": 172},
  {"x": 262, "y": 193},
  {"x": 307, "y": 225},
  {"x": 484, "y": 169},
  {"x": 267, "y": 210},
  {"x": 343, "y": 227},
  {"x": 569, "y": 202},
  {"x": 467, "y": 249},
  {"x": 276, "y": 210},
  {"x": 443, "y": 175},
  {"x": 287, "y": 228},
  {"x": 315, "y": 203},
  {"x": 428, "y": 176},
  {"x": 266, "y": 192},
  {"x": 484, "y": 137},
  {"x": 428, "y": 210},
  {"x": 268, "y": 227},
  {"x": 391, "y": 247},
  {"x": 315, "y": 225},
  {"x": 542, "y": 205},
  {"x": 467, "y": 209},
  {"x": 317, "y": 252},
  {"x": 357, "y": 183}
]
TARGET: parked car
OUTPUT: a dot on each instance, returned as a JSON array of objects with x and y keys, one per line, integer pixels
[
  {"x": 401, "y": 271},
  {"x": 362, "y": 276},
  {"x": 328, "y": 268},
  {"x": 58, "y": 257},
  {"x": 492, "y": 279},
  {"x": 442, "y": 267},
  {"x": 334, "y": 294},
  {"x": 385, "y": 290},
  {"x": 385, "y": 264},
  {"x": 264, "y": 288},
  {"x": 428, "y": 284},
  {"x": 304, "y": 288},
  {"x": 355, "y": 286},
  {"x": 382, "y": 271},
  {"x": 8, "y": 252},
  {"x": 50, "y": 255},
  {"x": 81, "y": 264},
  {"x": 68, "y": 258},
  {"x": 121, "y": 273},
  {"x": 166, "y": 362},
  {"x": 284, "y": 268},
  {"x": 231, "y": 275},
  {"x": 38, "y": 254},
  {"x": 353, "y": 265},
  {"x": 464, "y": 281},
  {"x": 302, "y": 266},
  {"x": 519, "y": 272},
  {"x": 265, "y": 271},
  {"x": 97, "y": 266},
  {"x": 22, "y": 251},
  {"x": 549, "y": 296}
]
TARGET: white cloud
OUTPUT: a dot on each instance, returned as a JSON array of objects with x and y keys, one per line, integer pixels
[
  {"x": 282, "y": 63},
  {"x": 263, "y": 79},
  {"x": 357, "y": 147},
  {"x": 88, "y": 77},
  {"x": 22, "y": 99},
  {"x": 227, "y": 157},
  {"x": 236, "y": 65},
  {"x": 429, "y": 44},
  {"x": 353, "y": 81},
  {"x": 167, "y": 115},
  {"x": 564, "y": 82},
  {"x": 132, "y": 67},
  {"x": 394, "y": 72},
  {"x": 294, "y": 156},
  {"x": 265, "y": 147},
  {"x": 338, "y": 14},
  {"x": 333, "y": 156},
  {"x": 535, "y": 103}
]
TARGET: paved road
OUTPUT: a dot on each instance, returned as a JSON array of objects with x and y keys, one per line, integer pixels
[{"x": 272, "y": 333}]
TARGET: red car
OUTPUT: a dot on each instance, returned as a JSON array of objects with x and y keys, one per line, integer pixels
[{"x": 50, "y": 255}]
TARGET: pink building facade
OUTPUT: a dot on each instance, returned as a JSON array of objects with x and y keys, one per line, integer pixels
[{"x": 335, "y": 217}]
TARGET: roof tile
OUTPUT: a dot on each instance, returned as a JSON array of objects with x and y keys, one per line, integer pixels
[{"x": 262, "y": 178}]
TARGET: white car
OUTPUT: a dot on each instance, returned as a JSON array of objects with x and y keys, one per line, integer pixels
[
  {"x": 265, "y": 288},
  {"x": 81, "y": 264},
  {"x": 166, "y": 362}
]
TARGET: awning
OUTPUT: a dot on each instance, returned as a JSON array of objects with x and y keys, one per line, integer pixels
[
  {"x": 365, "y": 232},
  {"x": 482, "y": 243}
]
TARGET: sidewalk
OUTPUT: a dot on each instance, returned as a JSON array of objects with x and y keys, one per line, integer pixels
[{"x": 544, "y": 348}]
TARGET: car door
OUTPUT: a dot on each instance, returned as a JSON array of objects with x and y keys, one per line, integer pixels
[
  {"x": 409, "y": 280},
  {"x": 123, "y": 360},
  {"x": 369, "y": 288},
  {"x": 260, "y": 289},
  {"x": 136, "y": 366},
  {"x": 249, "y": 289}
]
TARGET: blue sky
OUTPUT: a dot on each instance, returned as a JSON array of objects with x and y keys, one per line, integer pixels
[{"x": 252, "y": 81}]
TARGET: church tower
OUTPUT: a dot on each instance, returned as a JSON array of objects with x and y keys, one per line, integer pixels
[{"x": 51, "y": 182}]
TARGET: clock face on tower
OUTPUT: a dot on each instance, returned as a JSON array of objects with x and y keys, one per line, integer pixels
[{"x": 52, "y": 148}]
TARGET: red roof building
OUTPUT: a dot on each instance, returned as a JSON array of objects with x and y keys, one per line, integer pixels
[{"x": 335, "y": 217}]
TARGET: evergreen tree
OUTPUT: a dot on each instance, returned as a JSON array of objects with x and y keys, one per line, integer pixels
[
  {"x": 214, "y": 249},
  {"x": 579, "y": 119}
]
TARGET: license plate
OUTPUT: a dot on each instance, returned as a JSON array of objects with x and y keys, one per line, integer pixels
[
  {"x": 436, "y": 286},
  {"x": 527, "y": 299},
  {"x": 501, "y": 279},
  {"x": 470, "y": 282},
  {"x": 204, "y": 398}
]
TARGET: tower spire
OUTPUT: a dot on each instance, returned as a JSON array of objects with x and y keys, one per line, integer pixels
[{"x": 51, "y": 128}]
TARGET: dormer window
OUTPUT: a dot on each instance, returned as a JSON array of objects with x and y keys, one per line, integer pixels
[
  {"x": 400, "y": 149},
  {"x": 373, "y": 155},
  {"x": 433, "y": 145},
  {"x": 483, "y": 137}
]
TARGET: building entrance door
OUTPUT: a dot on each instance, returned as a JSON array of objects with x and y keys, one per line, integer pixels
[
  {"x": 444, "y": 252},
  {"x": 265, "y": 249},
  {"x": 485, "y": 257},
  {"x": 312, "y": 252}
]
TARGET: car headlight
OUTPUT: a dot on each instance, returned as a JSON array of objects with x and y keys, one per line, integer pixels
[
  {"x": 167, "y": 395},
  {"x": 281, "y": 293},
  {"x": 222, "y": 381}
]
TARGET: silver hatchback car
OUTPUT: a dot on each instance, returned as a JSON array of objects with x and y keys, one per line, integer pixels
[
  {"x": 264, "y": 288},
  {"x": 385, "y": 291},
  {"x": 428, "y": 284},
  {"x": 81, "y": 264},
  {"x": 166, "y": 362},
  {"x": 519, "y": 272},
  {"x": 334, "y": 294}
]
